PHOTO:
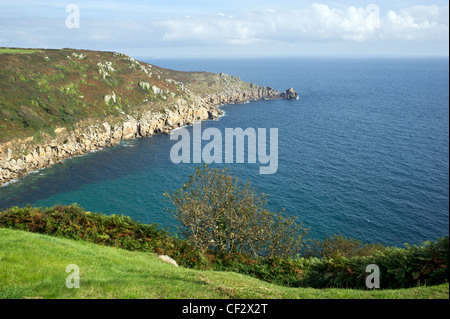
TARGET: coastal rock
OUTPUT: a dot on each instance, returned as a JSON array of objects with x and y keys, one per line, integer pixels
[
  {"x": 144, "y": 85},
  {"x": 156, "y": 90},
  {"x": 28, "y": 158},
  {"x": 9, "y": 154},
  {"x": 289, "y": 94},
  {"x": 107, "y": 129},
  {"x": 129, "y": 129},
  {"x": 215, "y": 113},
  {"x": 59, "y": 130},
  {"x": 90, "y": 136},
  {"x": 169, "y": 260}
]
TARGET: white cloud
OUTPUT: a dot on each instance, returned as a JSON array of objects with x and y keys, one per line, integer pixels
[
  {"x": 424, "y": 23},
  {"x": 269, "y": 28},
  {"x": 317, "y": 22}
]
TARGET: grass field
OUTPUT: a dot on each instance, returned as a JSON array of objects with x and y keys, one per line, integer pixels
[
  {"x": 34, "y": 266},
  {"x": 14, "y": 50}
]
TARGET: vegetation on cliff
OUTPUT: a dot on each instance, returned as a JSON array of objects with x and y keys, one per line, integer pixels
[
  {"x": 219, "y": 213},
  {"x": 46, "y": 89},
  {"x": 55, "y": 104},
  {"x": 400, "y": 267},
  {"x": 33, "y": 266},
  {"x": 59, "y": 103},
  {"x": 336, "y": 261}
]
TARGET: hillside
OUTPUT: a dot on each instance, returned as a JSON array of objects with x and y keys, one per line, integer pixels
[
  {"x": 56, "y": 104},
  {"x": 45, "y": 89},
  {"x": 33, "y": 266}
]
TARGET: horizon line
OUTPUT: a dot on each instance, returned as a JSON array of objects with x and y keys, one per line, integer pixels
[{"x": 236, "y": 57}]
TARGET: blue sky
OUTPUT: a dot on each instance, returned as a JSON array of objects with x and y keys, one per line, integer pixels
[{"x": 232, "y": 28}]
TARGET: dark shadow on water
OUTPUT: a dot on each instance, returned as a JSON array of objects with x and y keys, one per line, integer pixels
[{"x": 112, "y": 163}]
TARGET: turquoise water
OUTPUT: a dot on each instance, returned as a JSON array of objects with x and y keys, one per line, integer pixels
[{"x": 364, "y": 152}]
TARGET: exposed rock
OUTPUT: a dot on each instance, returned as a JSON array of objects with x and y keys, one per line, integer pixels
[
  {"x": 117, "y": 133},
  {"x": 9, "y": 154},
  {"x": 144, "y": 85},
  {"x": 108, "y": 98},
  {"x": 156, "y": 90},
  {"x": 107, "y": 128},
  {"x": 85, "y": 138},
  {"x": 169, "y": 260},
  {"x": 129, "y": 129},
  {"x": 59, "y": 130},
  {"x": 289, "y": 94},
  {"x": 214, "y": 113},
  {"x": 80, "y": 56},
  {"x": 28, "y": 158},
  {"x": 104, "y": 68}
]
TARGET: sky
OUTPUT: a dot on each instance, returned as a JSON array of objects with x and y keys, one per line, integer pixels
[{"x": 231, "y": 28}]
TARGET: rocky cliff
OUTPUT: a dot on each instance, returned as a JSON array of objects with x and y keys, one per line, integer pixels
[{"x": 161, "y": 100}]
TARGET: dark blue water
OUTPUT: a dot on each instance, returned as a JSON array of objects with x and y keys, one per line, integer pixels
[{"x": 364, "y": 152}]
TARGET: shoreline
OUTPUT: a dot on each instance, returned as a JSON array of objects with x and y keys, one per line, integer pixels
[
  {"x": 116, "y": 98},
  {"x": 91, "y": 138}
]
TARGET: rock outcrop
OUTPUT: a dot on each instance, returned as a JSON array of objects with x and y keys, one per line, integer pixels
[
  {"x": 289, "y": 94},
  {"x": 183, "y": 104},
  {"x": 100, "y": 135},
  {"x": 168, "y": 260}
]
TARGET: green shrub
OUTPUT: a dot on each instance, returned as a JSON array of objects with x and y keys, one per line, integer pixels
[
  {"x": 340, "y": 246},
  {"x": 58, "y": 77},
  {"x": 219, "y": 213},
  {"x": 399, "y": 267},
  {"x": 62, "y": 68},
  {"x": 277, "y": 270},
  {"x": 115, "y": 230},
  {"x": 6, "y": 114},
  {"x": 53, "y": 110},
  {"x": 30, "y": 118}
]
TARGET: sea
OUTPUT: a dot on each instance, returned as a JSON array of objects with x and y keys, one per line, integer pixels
[{"x": 363, "y": 152}]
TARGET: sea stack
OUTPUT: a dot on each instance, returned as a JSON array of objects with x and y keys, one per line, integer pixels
[{"x": 289, "y": 94}]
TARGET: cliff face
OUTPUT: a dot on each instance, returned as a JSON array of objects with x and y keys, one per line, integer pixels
[{"x": 161, "y": 100}]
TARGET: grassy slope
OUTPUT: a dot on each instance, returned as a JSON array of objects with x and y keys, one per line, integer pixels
[
  {"x": 33, "y": 266},
  {"x": 45, "y": 89},
  {"x": 17, "y": 50},
  {"x": 41, "y": 90}
]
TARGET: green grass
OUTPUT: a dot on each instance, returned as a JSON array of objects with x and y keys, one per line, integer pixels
[
  {"x": 33, "y": 266},
  {"x": 14, "y": 50}
]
